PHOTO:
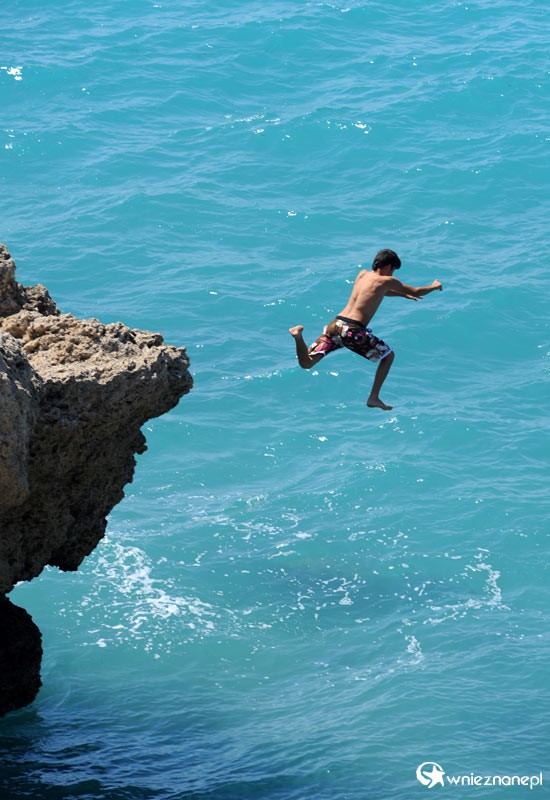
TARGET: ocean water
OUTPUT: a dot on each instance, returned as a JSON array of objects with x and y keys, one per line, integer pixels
[{"x": 299, "y": 598}]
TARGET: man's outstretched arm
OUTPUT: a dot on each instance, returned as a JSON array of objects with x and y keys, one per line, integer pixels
[{"x": 398, "y": 289}]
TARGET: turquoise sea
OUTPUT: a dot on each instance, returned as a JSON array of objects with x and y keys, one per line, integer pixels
[{"x": 299, "y": 598}]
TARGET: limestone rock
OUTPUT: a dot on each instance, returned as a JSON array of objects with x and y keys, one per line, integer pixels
[
  {"x": 74, "y": 395},
  {"x": 18, "y": 403}
]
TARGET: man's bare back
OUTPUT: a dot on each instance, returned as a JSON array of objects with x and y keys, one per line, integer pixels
[
  {"x": 349, "y": 328},
  {"x": 368, "y": 291}
]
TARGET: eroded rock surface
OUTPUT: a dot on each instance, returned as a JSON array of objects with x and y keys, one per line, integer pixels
[{"x": 73, "y": 397}]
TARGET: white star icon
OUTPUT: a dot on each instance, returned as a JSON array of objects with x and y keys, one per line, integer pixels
[
  {"x": 435, "y": 776},
  {"x": 430, "y": 773}
]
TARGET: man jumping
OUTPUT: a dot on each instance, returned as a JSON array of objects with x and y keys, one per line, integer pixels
[{"x": 349, "y": 328}]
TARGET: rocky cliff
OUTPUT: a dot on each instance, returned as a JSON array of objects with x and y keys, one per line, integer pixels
[{"x": 73, "y": 397}]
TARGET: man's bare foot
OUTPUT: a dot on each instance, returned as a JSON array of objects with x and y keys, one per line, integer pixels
[
  {"x": 375, "y": 402},
  {"x": 296, "y": 331}
]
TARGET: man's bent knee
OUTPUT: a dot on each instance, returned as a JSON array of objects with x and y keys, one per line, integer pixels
[{"x": 310, "y": 361}]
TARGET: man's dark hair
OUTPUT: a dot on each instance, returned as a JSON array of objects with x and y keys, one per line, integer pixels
[{"x": 386, "y": 258}]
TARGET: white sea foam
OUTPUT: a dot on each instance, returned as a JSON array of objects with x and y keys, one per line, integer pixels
[
  {"x": 141, "y": 607},
  {"x": 15, "y": 72}
]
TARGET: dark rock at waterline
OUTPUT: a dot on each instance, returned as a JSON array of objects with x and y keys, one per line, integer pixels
[{"x": 20, "y": 657}]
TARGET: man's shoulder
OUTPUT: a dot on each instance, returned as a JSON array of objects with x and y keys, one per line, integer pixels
[
  {"x": 373, "y": 278},
  {"x": 365, "y": 276}
]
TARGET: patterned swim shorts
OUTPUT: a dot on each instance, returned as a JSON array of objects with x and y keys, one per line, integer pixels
[{"x": 345, "y": 332}]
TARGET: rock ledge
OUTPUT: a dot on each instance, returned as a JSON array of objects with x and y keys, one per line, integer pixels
[{"x": 74, "y": 395}]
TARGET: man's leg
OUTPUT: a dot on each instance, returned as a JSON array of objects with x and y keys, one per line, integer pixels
[
  {"x": 304, "y": 359},
  {"x": 379, "y": 378}
]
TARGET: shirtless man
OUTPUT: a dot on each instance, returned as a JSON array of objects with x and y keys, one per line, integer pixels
[{"x": 349, "y": 329}]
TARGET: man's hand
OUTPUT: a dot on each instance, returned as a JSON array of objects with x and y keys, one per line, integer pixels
[{"x": 437, "y": 285}]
